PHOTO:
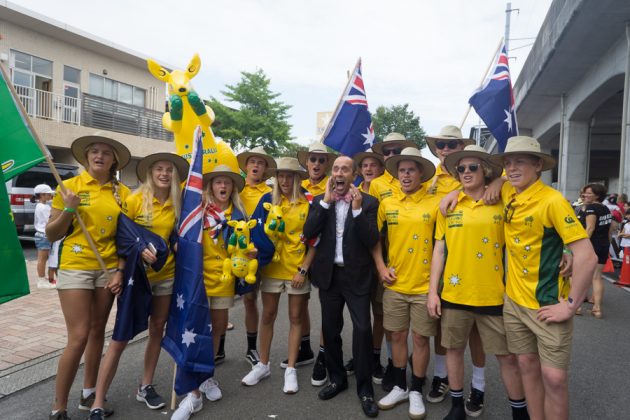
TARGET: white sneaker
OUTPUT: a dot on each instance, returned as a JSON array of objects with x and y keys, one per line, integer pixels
[
  {"x": 290, "y": 381},
  {"x": 211, "y": 388},
  {"x": 189, "y": 406},
  {"x": 395, "y": 397},
  {"x": 416, "y": 406},
  {"x": 259, "y": 371},
  {"x": 43, "y": 284}
]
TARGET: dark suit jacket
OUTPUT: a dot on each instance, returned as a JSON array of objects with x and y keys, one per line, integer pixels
[{"x": 359, "y": 237}]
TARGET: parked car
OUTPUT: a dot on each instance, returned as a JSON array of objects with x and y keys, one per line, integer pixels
[{"x": 20, "y": 189}]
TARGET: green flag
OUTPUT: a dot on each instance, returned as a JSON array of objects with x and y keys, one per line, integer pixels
[
  {"x": 14, "y": 281},
  {"x": 18, "y": 149}
]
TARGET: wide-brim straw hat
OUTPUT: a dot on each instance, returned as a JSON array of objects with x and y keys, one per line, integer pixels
[
  {"x": 287, "y": 164},
  {"x": 473, "y": 151},
  {"x": 524, "y": 145},
  {"x": 180, "y": 164},
  {"x": 358, "y": 158},
  {"x": 318, "y": 148},
  {"x": 447, "y": 133},
  {"x": 414, "y": 154},
  {"x": 79, "y": 145},
  {"x": 393, "y": 139},
  {"x": 258, "y": 152},
  {"x": 224, "y": 170}
]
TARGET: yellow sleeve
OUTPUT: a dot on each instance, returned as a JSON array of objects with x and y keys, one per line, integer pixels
[
  {"x": 380, "y": 215},
  {"x": 57, "y": 201},
  {"x": 440, "y": 227},
  {"x": 506, "y": 190},
  {"x": 130, "y": 206},
  {"x": 563, "y": 220},
  {"x": 373, "y": 191}
]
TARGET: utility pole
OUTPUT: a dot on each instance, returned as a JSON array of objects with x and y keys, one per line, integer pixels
[{"x": 506, "y": 36}]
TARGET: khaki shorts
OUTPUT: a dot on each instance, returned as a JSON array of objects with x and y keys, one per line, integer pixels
[
  {"x": 525, "y": 334},
  {"x": 271, "y": 285},
  {"x": 457, "y": 323},
  {"x": 82, "y": 279},
  {"x": 220, "y": 302},
  {"x": 162, "y": 287},
  {"x": 376, "y": 298},
  {"x": 403, "y": 312}
]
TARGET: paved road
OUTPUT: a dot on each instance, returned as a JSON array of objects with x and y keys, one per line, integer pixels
[{"x": 599, "y": 379}]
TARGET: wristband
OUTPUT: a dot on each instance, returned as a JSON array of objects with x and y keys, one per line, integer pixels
[
  {"x": 69, "y": 210},
  {"x": 301, "y": 271},
  {"x": 567, "y": 251}
]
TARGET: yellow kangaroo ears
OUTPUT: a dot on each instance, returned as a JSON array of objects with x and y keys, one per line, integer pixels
[
  {"x": 251, "y": 223},
  {"x": 233, "y": 223},
  {"x": 194, "y": 66},
  {"x": 267, "y": 206},
  {"x": 158, "y": 71}
]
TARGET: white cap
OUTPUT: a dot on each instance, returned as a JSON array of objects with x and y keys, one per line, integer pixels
[{"x": 42, "y": 189}]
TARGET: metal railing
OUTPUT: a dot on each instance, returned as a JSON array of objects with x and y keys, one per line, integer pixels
[{"x": 50, "y": 106}]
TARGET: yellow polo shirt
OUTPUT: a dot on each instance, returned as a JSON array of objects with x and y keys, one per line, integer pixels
[
  {"x": 442, "y": 183},
  {"x": 293, "y": 250},
  {"x": 250, "y": 196},
  {"x": 474, "y": 240},
  {"x": 410, "y": 221},
  {"x": 161, "y": 221},
  {"x": 538, "y": 222},
  {"x": 99, "y": 210},
  {"x": 213, "y": 257},
  {"x": 385, "y": 186},
  {"x": 315, "y": 189}
]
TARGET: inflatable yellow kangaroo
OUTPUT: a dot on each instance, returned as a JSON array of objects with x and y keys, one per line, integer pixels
[
  {"x": 238, "y": 263},
  {"x": 274, "y": 228},
  {"x": 187, "y": 111}
]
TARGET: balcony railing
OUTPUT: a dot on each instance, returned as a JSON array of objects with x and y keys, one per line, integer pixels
[{"x": 93, "y": 111}]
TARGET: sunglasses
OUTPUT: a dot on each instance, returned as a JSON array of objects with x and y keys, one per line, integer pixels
[
  {"x": 472, "y": 168},
  {"x": 314, "y": 159},
  {"x": 451, "y": 144},
  {"x": 508, "y": 212},
  {"x": 388, "y": 152}
]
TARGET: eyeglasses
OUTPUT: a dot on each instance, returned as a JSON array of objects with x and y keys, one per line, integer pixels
[
  {"x": 314, "y": 159},
  {"x": 472, "y": 168},
  {"x": 508, "y": 211},
  {"x": 388, "y": 152},
  {"x": 452, "y": 144}
]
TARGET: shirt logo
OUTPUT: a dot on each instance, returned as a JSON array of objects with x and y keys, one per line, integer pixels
[
  {"x": 569, "y": 220},
  {"x": 426, "y": 218},
  {"x": 496, "y": 219},
  {"x": 455, "y": 219},
  {"x": 391, "y": 217},
  {"x": 85, "y": 199},
  {"x": 385, "y": 194},
  {"x": 529, "y": 220}
]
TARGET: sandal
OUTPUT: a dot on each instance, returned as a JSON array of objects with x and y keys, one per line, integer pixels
[{"x": 597, "y": 313}]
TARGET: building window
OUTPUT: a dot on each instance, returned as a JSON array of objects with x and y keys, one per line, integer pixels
[
  {"x": 32, "y": 64},
  {"x": 116, "y": 91},
  {"x": 72, "y": 75}
]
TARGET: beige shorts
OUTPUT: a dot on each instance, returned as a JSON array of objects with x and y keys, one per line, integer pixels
[
  {"x": 402, "y": 312},
  {"x": 376, "y": 298},
  {"x": 457, "y": 323},
  {"x": 82, "y": 279},
  {"x": 525, "y": 334},
  {"x": 271, "y": 285},
  {"x": 162, "y": 287},
  {"x": 220, "y": 302}
]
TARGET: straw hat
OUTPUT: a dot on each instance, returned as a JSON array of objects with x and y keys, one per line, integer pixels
[
  {"x": 258, "y": 152},
  {"x": 180, "y": 164},
  {"x": 475, "y": 151},
  {"x": 287, "y": 164},
  {"x": 523, "y": 145},
  {"x": 224, "y": 170},
  {"x": 79, "y": 145},
  {"x": 358, "y": 158},
  {"x": 448, "y": 132},
  {"x": 411, "y": 153},
  {"x": 393, "y": 139},
  {"x": 317, "y": 147}
]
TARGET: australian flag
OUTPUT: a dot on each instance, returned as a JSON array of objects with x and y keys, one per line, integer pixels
[
  {"x": 350, "y": 130},
  {"x": 494, "y": 101},
  {"x": 188, "y": 336}
]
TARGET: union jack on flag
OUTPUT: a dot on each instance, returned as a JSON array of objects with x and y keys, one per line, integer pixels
[
  {"x": 494, "y": 101},
  {"x": 350, "y": 130}
]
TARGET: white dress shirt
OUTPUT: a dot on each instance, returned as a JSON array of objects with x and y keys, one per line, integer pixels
[{"x": 341, "y": 210}]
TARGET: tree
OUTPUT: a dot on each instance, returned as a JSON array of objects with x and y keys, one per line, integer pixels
[
  {"x": 260, "y": 119},
  {"x": 400, "y": 119}
]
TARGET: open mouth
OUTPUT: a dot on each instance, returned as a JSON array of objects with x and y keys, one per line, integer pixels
[
  {"x": 467, "y": 178},
  {"x": 405, "y": 183},
  {"x": 340, "y": 185},
  {"x": 223, "y": 194},
  {"x": 255, "y": 171}
]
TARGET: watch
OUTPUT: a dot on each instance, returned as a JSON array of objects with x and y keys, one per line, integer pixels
[{"x": 301, "y": 270}]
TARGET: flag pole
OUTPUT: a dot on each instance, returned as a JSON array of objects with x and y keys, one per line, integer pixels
[
  {"x": 321, "y": 139},
  {"x": 54, "y": 171},
  {"x": 461, "y": 124}
]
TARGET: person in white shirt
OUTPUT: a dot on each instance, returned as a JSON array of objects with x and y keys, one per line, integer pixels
[{"x": 42, "y": 194}]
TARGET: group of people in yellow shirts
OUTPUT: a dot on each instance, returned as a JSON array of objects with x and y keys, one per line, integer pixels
[{"x": 445, "y": 234}]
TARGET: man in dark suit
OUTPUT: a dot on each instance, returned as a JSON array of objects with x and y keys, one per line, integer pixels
[{"x": 345, "y": 220}]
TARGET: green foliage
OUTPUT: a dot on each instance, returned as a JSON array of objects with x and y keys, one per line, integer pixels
[
  {"x": 260, "y": 120},
  {"x": 399, "y": 119}
]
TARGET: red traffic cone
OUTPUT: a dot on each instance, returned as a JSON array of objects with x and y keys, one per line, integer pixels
[
  {"x": 624, "y": 278},
  {"x": 608, "y": 267}
]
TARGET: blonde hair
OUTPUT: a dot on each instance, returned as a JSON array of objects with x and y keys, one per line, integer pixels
[
  {"x": 147, "y": 189},
  {"x": 296, "y": 193},
  {"x": 209, "y": 198}
]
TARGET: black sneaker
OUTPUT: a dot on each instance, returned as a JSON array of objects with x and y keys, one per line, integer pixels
[
  {"x": 219, "y": 358},
  {"x": 252, "y": 357},
  {"x": 439, "y": 389},
  {"x": 305, "y": 357},
  {"x": 457, "y": 413},
  {"x": 59, "y": 415},
  {"x": 378, "y": 373},
  {"x": 349, "y": 367},
  {"x": 319, "y": 376},
  {"x": 150, "y": 397},
  {"x": 474, "y": 403},
  {"x": 85, "y": 404},
  {"x": 97, "y": 414},
  {"x": 388, "y": 377}
]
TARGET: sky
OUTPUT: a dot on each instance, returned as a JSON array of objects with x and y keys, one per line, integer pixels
[{"x": 431, "y": 54}]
